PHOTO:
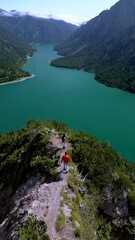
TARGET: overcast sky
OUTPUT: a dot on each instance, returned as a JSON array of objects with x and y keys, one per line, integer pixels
[{"x": 75, "y": 11}]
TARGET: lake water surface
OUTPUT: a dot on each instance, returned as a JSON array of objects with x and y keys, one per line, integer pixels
[{"x": 69, "y": 96}]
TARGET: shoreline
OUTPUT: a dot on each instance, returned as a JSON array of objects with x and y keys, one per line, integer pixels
[{"x": 17, "y": 81}]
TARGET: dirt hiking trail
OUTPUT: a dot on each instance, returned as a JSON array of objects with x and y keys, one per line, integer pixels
[{"x": 55, "y": 198}]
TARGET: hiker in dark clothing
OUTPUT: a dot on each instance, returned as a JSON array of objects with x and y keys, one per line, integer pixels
[{"x": 64, "y": 139}]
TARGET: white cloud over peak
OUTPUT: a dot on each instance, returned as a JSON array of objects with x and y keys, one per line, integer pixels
[{"x": 67, "y": 18}]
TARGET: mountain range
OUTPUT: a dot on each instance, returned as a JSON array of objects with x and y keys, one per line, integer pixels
[
  {"x": 105, "y": 45},
  {"x": 17, "y": 30},
  {"x": 12, "y": 13},
  {"x": 33, "y": 29}
]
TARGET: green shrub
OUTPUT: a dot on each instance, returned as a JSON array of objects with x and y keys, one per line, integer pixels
[
  {"x": 44, "y": 165},
  {"x": 33, "y": 230}
]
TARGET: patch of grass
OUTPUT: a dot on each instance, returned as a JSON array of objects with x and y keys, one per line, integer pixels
[
  {"x": 73, "y": 182},
  {"x": 83, "y": 209},
  {"x": 104, "y": 231},
  {"x": 64, "y": 195},
  {"x": 61, "y": 221},
  {"x": 75, "y": 215},
  {"x": 62, "y": 203},
  {"x": 83, "y": 217}
]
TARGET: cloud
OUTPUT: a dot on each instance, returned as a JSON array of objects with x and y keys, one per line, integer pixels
[{"x": 67, "y": 18}]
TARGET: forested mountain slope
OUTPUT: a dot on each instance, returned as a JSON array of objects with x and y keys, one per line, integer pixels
[
  {"x": 13, "y": 54},
  {"x": 105, "y": 45}
]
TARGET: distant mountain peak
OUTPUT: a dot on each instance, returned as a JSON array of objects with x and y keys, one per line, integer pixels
[
  {"x": 12, "y": 13},
  {"x": 16, "y": 13},
  {"x": 4, "y": 13}
]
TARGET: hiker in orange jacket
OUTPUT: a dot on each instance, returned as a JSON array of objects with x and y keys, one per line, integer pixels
[{"x": 66, "y": 160}]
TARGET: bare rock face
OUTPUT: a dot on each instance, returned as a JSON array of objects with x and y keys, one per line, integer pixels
[
  {"x": 115, "y": 207},
  {"x": 18, "y": 214}
]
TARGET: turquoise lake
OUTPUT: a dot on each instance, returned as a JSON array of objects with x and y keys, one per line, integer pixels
[{"x": 69, "y": 96}]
